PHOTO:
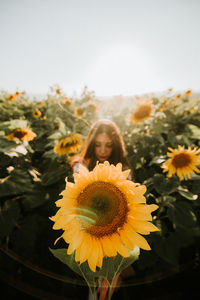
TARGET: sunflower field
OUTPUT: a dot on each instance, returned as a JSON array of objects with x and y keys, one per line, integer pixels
[{"x": 38, "y": 138}]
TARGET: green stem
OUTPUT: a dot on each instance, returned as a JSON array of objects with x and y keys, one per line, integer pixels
[{"x": 110, "y": 292}]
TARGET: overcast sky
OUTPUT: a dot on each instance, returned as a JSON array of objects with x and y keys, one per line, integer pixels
[{"x": 114, "y": 47}]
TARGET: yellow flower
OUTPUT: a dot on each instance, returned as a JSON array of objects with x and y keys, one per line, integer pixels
[
  {"x": 58, "y": 91},
  {"x": 79, "y": 112},
  {"x": 22, "y": 134},
  {"x": 42, "y": 103},
  {"x": 92, "y": 108},
  {"x": 182, "y": 162},
  {"x": 11, "y": 97},
  {"x": 142, "y": 112},
  {"x": 37, "y": 113},
  {"x": 178, "y": 96},
  {"x": 166, "y": 102},
  {"x": 69, "y": 144},
  {"x": 103, "y": 214},
  {"x": 188, "y": 93},
  {"x": 174, "y": 103},
  {"x": 17, "y": 94},
  {"x": 66, "y": 101},
  {"x": 57, "y": 126}
]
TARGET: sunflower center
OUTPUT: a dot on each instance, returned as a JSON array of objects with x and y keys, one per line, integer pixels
[
  {"x": 65, "y": 144},
  {"x": 181, "y": 160},
  {"x": 19, "y": 134},
  {"x": 105, "y": 205},
  {"x": 142, "y": 112}
]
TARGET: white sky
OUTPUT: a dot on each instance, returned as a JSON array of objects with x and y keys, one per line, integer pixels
[{"x": 114, "y": 47}]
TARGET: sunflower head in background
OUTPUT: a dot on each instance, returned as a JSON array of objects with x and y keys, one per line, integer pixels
[
  {"x": 37, "y": 113},
  {"x": 22, "y": 134},
  {"x": 182, "y": 162},
  {"x": 69, "y": 144},
  {"x": 79, "y": 112},
  {"x": 66, "y": 101},
  {"x": 142, "y": 112},
  {"x": 103, "y": 214},
  {"x": 11, "y": 97},
  {"x": 188, "y": 93}
]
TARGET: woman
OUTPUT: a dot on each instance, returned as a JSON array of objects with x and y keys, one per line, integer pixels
[{"x": 103, "y": 142}]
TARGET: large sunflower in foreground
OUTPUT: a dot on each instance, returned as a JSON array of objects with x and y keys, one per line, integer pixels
[
  {"x": 182, "y": 162},
  {"x": 103, "y": 214},
  {"x": 22, "y": 134},
  {"x": 69, "y": 144},
  {"x": 142, "y": 112}
]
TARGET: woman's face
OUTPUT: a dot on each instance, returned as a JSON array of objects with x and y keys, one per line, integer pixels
[{"x": 103, "y": 146}]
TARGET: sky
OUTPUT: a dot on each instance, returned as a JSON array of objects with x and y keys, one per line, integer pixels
[{"x": 115, "y": 47}]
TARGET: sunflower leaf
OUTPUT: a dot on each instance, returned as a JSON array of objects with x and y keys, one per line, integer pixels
[
  {"x": 181, "y": 215},
  {"x": 187, "y": 194},
  {"x": 110, "y": 268},
  {"x": 9, "y": 215},
  {"x": 194, "y": 131}
]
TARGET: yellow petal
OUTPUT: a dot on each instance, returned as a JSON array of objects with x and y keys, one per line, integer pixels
[
  {"x": 107, "y": 247},
  {"x": 140, "y": 241},
  {"x": 121, "y": 249},
  {"x": 93, "y": 258},
  {"x": 142, "y": 227},
  {"x": 85, "y": 248}
]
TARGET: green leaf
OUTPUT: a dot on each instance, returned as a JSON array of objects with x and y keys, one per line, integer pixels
[
  {"x": 54, "y": 173},
  {"x": 181, "y": 215},
  {"x": 36, "y": 198},
  {"x": 186, "y": 194},
  {"x": 9, "y": 215},
  {"x": 195, "y": 131},
  {"x": 110, "y": 268},
  {"x": 195, "y": 177},
  {"x": 18, "y": 182},
  {"x": 164, "y": 185},
  {"x": 14, "y": 124},
  {"x": 167, "y": 248},
  {"x": 6, "y": 146},
  {"x": 157, "y": 160}
]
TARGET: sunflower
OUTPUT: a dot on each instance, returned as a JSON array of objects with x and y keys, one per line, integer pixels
[
  {"x": 182, "y": 161},
  {"x": 22, "y": 134},
  {"x": 188, "y": 93},
  {"x": 37, "y": 113},
  {"x": 17, "y": 94},
  {"x": 66, "y": 101},
  {"x": 58, "y": 91},
  {"x": 11, "y": 97},
  {"x": 91, "y": 108},
  {"x": 79, "y": 112},
  {"x": 142, "y": 112},
  {"x": 69, "y": 144},
  {"x": 42, "y": 103},
  {"x": 178, "y": 96},
  {"x": 102, "y": 214}
]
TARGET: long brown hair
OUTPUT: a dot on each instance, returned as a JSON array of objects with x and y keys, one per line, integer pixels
[{"x": 118, "y": 154}]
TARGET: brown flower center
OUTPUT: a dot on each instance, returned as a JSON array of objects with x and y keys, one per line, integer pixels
[
  {"x": 142, "y": 112},
  {"x": 181, "y": 160},
  {"x": 106, "y": 206},
  {"x": 67, "y": 144},
  {"x": 19, "y": 133}
]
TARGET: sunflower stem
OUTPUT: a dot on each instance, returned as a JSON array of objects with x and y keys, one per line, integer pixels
[{"x": 110, "y": 292}]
